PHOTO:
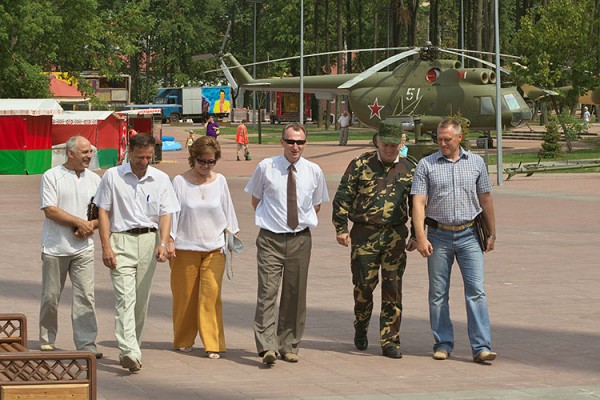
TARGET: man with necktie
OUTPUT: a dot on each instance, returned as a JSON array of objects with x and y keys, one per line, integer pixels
[{"x": 287, "y": 193}]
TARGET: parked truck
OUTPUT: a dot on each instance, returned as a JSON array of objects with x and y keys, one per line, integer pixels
[{"x": 195, "y": 103}]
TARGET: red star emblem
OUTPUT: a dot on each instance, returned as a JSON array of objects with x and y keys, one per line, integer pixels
[{"x": 375, "y": 109}]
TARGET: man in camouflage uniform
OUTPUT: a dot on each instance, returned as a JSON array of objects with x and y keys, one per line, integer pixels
[{"x": 374, "y": 194}]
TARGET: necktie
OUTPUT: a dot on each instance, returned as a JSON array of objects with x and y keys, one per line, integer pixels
[{"x": 292, "y": 199}]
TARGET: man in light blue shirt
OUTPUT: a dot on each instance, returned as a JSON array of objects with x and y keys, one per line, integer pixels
[{"x": 450, "y": 188}]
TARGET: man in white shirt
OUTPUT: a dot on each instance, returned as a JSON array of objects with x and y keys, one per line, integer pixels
[
  {"x": 344, "y": 122},
  {"x": 136, "y": 202},
  {"x": 287, "y": 193},
  {"x": 66, "y": 191}
]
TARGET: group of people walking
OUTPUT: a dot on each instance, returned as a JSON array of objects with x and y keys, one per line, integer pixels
[{"x": 144, "y": 218}]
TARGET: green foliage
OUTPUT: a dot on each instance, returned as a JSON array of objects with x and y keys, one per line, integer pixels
[
  {"x": 574, "y": 126},
  {"x": 551, "y": 148},
  {"x": 153, "y": 40},
  {"x": 31, "y": 82},
  {"x": 554, "y": 42}
]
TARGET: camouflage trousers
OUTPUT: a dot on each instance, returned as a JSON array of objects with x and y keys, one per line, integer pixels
[{"x": 375, "y": 247}]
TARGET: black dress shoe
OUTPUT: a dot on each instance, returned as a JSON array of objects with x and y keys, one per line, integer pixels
[
  {"x": 361, "y": 343},
  {"x": 392, "y": 351}
]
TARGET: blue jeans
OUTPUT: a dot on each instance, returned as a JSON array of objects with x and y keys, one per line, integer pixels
[{"x": 465, "y": 247}]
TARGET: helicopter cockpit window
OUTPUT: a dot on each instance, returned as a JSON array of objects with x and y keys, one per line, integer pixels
[
  {"x": 512, "y": 102},
  {"x": 486, "y": 105}
]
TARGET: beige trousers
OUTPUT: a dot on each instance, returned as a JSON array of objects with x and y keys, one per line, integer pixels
[{"x": 132, "y": 281}]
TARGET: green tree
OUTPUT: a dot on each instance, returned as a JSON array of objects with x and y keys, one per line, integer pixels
[
  {"x": 24, "y": 47},
  {"x": 554, "y": 44},
  {"x": 551, "y": 146}
]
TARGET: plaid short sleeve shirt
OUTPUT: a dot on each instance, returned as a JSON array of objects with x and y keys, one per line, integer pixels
[{"x": 451, "y": 187}]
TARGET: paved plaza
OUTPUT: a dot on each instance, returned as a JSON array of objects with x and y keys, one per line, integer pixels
[{"x": 542, "y": 284}]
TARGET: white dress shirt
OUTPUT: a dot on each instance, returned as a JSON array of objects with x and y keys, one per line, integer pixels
[
  {"x": 133, "y": 202},
  {"x": 269, "y": 184}
]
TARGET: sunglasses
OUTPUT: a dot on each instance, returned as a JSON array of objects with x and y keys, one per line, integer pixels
[
  {"x": 292, "y": 142},
  {"x": 205, "y": 162}
]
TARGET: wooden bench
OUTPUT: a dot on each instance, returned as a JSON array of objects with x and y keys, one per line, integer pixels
[
  {"x": 41, "y": 375},
  {"x": 13, "y": 332}
]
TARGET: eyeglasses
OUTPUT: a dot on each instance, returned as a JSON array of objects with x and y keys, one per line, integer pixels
[
  {"x": 292, "y": 142},
  {"x": 205, "y": 162}
]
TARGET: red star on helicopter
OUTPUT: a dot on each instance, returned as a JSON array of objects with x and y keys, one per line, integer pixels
[{"x": 375, "y": 109}]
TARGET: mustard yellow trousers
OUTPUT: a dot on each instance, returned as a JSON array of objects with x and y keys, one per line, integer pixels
[{"x": 196, "y": 278}]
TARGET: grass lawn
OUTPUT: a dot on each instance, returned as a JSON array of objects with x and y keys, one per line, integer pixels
[{"x": 271, "y": 134}]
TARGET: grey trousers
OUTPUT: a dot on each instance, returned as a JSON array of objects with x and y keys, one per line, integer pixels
[
  {"x": 343, "y": 136},
  {"x": 80, "y": 268},
  {"x": 282, "y": 260}
]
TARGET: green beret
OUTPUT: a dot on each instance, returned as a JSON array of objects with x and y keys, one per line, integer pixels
[{"x": 390, "y": 132}]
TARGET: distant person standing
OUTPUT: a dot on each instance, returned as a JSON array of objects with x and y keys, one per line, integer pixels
[
  {"x": 241, "y": 138},
  {"x": 450, "y": 189},
  {"x": 66, "y": 192},
  {"x": 135, "y": 203},
  {"x": 212, "y": 128},
  {"x": 287, "y": 193},
  {"x": 586, "y": 118},
  {"x": 190, "y": 139},
  {"x": 403, "y": 147},
  {"x": 344, "y": 122}
]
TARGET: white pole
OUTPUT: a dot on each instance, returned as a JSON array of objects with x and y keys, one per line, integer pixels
[
  {"x": 499, "y": 167},
  {"x": 254, "y": 73},
  {"x": 301, "y": 61},
  {"x": 462, "y": 32}
]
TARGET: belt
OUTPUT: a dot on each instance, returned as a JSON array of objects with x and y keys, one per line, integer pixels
[
  {"x": 305, "y": 230},
  {"x": 454, "y": 228},
  {"x": 139, "y": 231}
]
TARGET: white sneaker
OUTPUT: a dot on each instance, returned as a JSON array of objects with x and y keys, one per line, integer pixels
[{"x": 47, "y": 347}]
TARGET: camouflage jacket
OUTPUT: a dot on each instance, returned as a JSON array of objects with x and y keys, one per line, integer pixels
[{"x": 373, "y": 193}]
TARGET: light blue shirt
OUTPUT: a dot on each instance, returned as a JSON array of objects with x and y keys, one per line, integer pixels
[{"x": 451, "y": 187}]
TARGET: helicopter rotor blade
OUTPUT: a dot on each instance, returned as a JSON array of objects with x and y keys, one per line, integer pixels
[
  {"x": 203, "y": 57},
  {"x": 489, "y": 64},
  {"x": 225, "y": 37},
  {"x": 482, "y": 52},
  {"x": 377, "y": 67},
  {"x": 228, "y": 75},
  {"x": 322, "y": 54}
]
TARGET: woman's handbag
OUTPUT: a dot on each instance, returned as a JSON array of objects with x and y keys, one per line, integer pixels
[{"x": 234, "y": 245}]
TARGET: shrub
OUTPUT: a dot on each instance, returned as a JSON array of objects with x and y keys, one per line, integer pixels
[{"x": 551, "y": 147}]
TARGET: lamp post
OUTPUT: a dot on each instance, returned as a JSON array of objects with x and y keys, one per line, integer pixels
[
  {"x": 499, "y": 166},
  {"x": 462, "y": 33},
  {"x": 301, "y": 111},
  {"x": 254, "y": 65}
]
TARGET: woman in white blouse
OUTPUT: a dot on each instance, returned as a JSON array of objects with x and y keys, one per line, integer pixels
[{"x": 197, "y": 250}]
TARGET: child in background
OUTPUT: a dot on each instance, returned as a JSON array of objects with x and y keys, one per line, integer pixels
[{"x": 241, "y": 138}]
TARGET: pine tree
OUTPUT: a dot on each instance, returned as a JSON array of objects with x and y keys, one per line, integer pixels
[{"x": 551, "y": 147}]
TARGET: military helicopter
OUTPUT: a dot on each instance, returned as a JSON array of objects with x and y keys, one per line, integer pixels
[{"x": 419, "y": 92}]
